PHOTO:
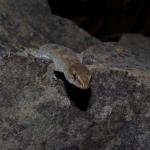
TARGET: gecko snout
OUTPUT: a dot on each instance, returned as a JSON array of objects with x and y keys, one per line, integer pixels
[{"x": 80, "y": 77}]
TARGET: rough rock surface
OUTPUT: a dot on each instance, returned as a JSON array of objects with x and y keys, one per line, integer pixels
[
  {"x": 36, "y": 114},
  {"x": 31, "y": 24},
  {"x": 135, "y": 41}
]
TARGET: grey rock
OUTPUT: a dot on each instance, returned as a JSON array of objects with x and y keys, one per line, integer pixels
[
  {"x": 31, "y": 24},
  {"x": 135, "y": 41},
  {"x": 37, "y": 114}
]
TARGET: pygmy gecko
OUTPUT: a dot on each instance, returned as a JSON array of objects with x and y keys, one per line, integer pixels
[{"x": 66, "y": 61}]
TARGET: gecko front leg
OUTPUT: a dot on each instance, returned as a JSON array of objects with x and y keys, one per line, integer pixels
[
  {"x": 80, "y": 56},
  {"x": 50, "y": 75}
]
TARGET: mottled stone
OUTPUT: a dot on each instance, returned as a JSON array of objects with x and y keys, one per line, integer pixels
[
  {"x": 37, "y": 114},
  {"x": 31, "y": 24},
  {"x": 135, "y": 41}
]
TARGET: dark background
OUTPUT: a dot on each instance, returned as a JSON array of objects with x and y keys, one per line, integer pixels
[{"x": 106, "y": 19}]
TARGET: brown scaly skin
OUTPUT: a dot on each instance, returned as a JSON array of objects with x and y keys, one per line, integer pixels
[{"x": 66, "y": 61}]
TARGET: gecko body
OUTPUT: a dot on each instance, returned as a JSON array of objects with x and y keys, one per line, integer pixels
[{"x": 66, "y": 61}]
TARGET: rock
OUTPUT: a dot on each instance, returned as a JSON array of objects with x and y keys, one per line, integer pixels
[
  {"x": 36, "y": 114},
  {"x": 39, "y": 114},
  {"x": 135, "y": 41},
  {"x": 31, "y": 24}
]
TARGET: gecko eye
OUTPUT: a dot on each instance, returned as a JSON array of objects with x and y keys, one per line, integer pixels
[
  {"x": 72, "y": 77},
  {"x": 75, "y": 76}
]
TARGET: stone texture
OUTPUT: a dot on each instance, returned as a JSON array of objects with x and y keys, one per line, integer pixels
[
  {"x": 135, "y": 41},
  {"x": 36, "y": 114},
  {"x": 30, "y": 24}
]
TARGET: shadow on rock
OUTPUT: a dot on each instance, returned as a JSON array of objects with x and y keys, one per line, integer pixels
[{"x": 78, "y": 96}]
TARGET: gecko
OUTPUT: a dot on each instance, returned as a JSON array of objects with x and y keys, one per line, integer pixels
[{"x": 64, "y": 60}]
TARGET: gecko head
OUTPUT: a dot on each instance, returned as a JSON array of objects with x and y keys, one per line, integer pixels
[{"x": 79, "y": 76}]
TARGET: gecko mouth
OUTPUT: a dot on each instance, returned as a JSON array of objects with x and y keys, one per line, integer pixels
[{"x": 83, "y": 86}]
